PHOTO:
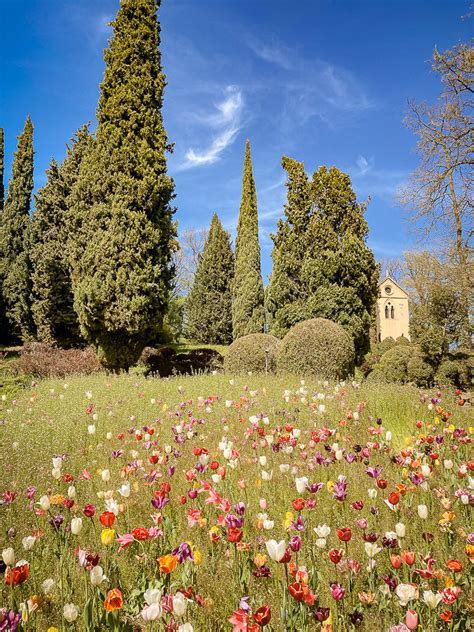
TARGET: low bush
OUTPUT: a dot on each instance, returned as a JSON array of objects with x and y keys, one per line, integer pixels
[
  {"x": 419, "y": 370},
  {"x": 457, "y": 370},
  {"x": 317, "y": 347},
  {"x": 42, "y": 360},
  {"x": 393, "y": 365},
  {"x": 254, "y": 353}
]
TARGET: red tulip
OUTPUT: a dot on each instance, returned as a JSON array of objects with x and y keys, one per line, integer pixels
[
  {"x": 107, "y": 519},
  {"x": 298, "y": 504},
  {"x": 393, "y": 498},
  {"x": 396, "y": 561},
  {"x": 382, "y": 483},
  {"x": 263, "y": 615},
  {"x": 335, "y": 555},
  {"x": 296, "y": 590},
  {"x": 17, "y": 574},
  {"x": 234, "y": 534},
  {"x": 344, "y": 534}
]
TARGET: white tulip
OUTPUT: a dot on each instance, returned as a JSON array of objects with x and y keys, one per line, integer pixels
[
  {"x": 228, "y": 403},
  {"x": 152, "y": 595},
  {"x": 112, "y": 505},
  {"x": 371, "y": 549},
  {"x": 185, "y": 627},
  {"x": 8, "y": 556},
  {"x": 296, "y": 432},
  {"x": 57, "y": 462},
  {"x": 124, "y": 490},
  {"x": 268, "y": 525},
  {"x": 431, "y": 599},
  {"x": 216, "y": 478},
  {"x": 44, "y": 503},
  {"x": 276, "y": 550},
  {"x": 76, "y": 526},
  {"x": 71, "y": 492},
  {"x": 422, "y": 511},
  {"x": 97, "y": 576},
  {"x": 388, "y": 436},
  {"x": 70, "y": 612},
  {"x": 267, "y": 476},
  {"x": 426, "y": 471},
  {"x": 448, "y": 465},
  {"x": 152, "y": 612},
  {"x": 179, "y": 604},
  {"x": 322, "y": 530},
  {"x": 91, "y": 429},
  {"x": 48, "y": 586},
  {"x": 321, "y": 543},
  {"x": 28, "y": 542},
  {"x": 105, "y": 476},
  {"x": 262, "y": 460},
  {"x": 109, "y": 436},
  {"x": 372, "y": 493},
  {"x": 95, "y": 417},
  {"x": 400, "y": 530},
  {"x": 301, "y": 484},
  {"x": 56, "y": 474},
  {"x": 284, "y": 467},
  {"x": 339, "y": 455}
]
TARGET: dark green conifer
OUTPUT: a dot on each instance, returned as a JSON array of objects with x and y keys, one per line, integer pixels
[
  {"x": 248, "y": 312},
  {"x": 286, "y": 293},
  {"x": 14, "y": 259},
  {"x": 209, "y": 303},
  {"x": 124, "y": 234},
  {"x": 53, "y": 310}
]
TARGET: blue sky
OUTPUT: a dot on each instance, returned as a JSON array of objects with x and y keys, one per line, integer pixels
[{"x": 322, "y": 81}]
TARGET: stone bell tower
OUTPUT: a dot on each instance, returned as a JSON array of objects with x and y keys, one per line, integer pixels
[{"x": 393, "y": 318}]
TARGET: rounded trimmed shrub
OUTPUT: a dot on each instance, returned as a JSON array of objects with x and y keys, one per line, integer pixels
[
  {"x": 255, "y": 353},
  {"x": 317, "y": 347},
  {"x": 393, "y": 365},
  {"x": 456, "y": 371},
  {"x": 419, "y": 370}
]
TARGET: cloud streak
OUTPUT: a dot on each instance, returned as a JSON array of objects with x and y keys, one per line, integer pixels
[{"x": 226, "y": 123}]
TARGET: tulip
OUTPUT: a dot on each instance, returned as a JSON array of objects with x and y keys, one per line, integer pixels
[
  {"x": 337, "y": 591},
  {"x": 107, "y": 536},
  {"x": 301, "y": 484},
  {"x": 105, "y": 475},
  {"x": 44, "y": 503},
  {"x": 411, "y": 619},
  {"x": 276, "y": 550},
  {"x": 371, "y": 549},
  {"x": 76, "y": 526},
  {"x": 97, "y": 576},
  {"x": 408, "y": 557},
  {"x": 8, "y": 556},
  {"x": 400, "y": 530},
  {"x": 91, "y": 429},
  {"x": 70, "y": 612},
  {"x": 179, "y": 604},
  {"x": 322, "y": 530},
  {"x": 152, "y": 612},
  {"x": 28, "y": 542},
  {"x": 114, "y": 600},
  {"x": 431, "y": 599},
  {"x": 152, "y": 595},
  {"x": 422, "y": 511},
  {"x": 396, "y": 561}
]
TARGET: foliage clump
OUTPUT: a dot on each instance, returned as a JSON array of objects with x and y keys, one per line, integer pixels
[
  {"x": 393, "y": 365},
  {"x": 317, "y": 347},
  {"x": 44, "y": 361},
  {"x": 255, "y": 353}
]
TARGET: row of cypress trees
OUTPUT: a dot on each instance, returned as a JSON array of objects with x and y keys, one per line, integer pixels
[{"x": 322, "y": 266}]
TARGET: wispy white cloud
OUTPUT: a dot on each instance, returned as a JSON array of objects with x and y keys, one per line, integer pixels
[
  {"x": 273, "y": 53},
  {"x": 226, "y": 124},
  {"x": 363, "y": 164}
]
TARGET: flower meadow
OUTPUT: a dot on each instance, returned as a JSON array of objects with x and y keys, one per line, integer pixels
[{"x": 247, "y": 505}]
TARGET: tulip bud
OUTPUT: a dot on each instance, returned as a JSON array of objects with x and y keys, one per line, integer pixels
[
  {"x": 411, "y": 619},
  {"x": 422, "y": 511},
  {"x": 76, "y": 526}
]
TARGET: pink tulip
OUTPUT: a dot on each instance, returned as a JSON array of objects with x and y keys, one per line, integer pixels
[{"x": 411, "y": 619}]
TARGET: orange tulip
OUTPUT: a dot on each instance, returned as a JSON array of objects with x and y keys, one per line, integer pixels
[
  {"x": 114, "y": 600},
  {"x": 454, "y": 565},
  {"x": 408, "y": 557},
  {"x": 167, "y": 563}
]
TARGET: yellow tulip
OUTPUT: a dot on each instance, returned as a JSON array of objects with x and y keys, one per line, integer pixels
[
  {"x": 197, "y": 557},
  {"x": 52, "y": 629},
  {"x": 107, "y": 536},
  {"x": 330, "y": 486}
]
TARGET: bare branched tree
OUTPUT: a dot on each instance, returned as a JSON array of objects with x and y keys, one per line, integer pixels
[
  {"x": 186, "y": 258},
  {"x": 439, "y": 196}
]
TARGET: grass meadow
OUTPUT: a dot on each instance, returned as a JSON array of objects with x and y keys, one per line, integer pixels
[{"x": 212, "y": 503}]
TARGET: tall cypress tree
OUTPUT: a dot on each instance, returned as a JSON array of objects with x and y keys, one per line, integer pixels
[
  {"x": 14, "y": 262},
  {"x": 248, "y": 312},
  {"x": 286, "y": 292},
  {"x": 121, "y": 250},
  {"x": 53, "y": 311},
  {"x": 4, "y": 325},
  {"x": 209, "y": 303}
]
